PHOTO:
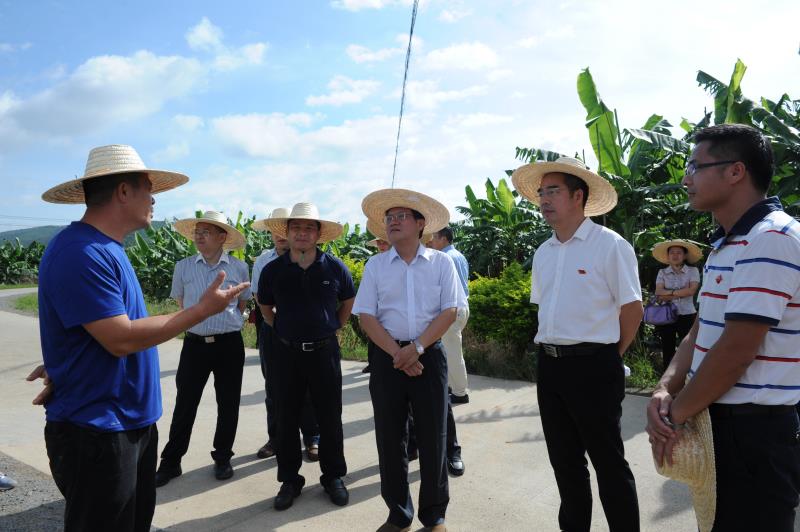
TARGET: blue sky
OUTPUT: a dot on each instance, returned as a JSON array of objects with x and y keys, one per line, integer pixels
[{"x": 267, "y": 103}]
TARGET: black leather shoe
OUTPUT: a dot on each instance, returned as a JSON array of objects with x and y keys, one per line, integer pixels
[
  {"x": 337, "y": 492},
  {"x": 459, "y": 399},
  {"x": 167, "y": 473},
  {"x": 288, "y": 492},
  {"x": 455, "y": 465},
  {"x": 223, "y": 469},
  {"x": 266, "y": 451}
]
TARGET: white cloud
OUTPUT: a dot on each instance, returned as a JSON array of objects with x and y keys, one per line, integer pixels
[
  {"x": 188, "y": 123},
  {"x": 476, "y": 120},
  {"x": 426, "y": 94},
  {"x": 499, "y": 74},
  {"x": 172, "y": 152},
  {"x": 529, "y": 42},
  {"x": 362, "y": 54},
  {"x": 465, "y": 56},
  {"x": 102, "y": 91},
  {"x": 207, "y": 37},
  {"x": 453, "y": 15},
  {"x": 261, "y": 135},
  {"x": 358, "y": 5},
  {"x": 204, "y": 36},
  {"x": 345, "y": 91},
  {"x": 7, "y": 48}
]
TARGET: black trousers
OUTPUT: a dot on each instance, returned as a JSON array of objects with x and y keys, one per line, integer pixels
[
  {"x": 107, "y": 478},
  {"x": 225, "y": 359},
  {"x": 392, "y": 391},
  {"x": 308, "y": 421},
  {"x": 580, "y": 404},
  {"x": 453, "y": 447},
  {"x": 299, "y": 373},
  {"x": 672, "y": 334},
  {"x": 757, "y": 459}
]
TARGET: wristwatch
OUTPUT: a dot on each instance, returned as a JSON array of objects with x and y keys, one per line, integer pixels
[{"x": 420, "y": 349}]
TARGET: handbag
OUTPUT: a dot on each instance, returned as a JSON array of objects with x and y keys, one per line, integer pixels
[{"x": 658, "y": 313}]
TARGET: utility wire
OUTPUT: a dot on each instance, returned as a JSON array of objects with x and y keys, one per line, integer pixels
[{"x": 403, "y": 93}]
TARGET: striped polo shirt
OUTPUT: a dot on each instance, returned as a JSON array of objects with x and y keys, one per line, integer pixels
[{"x": 753, "y": 274}]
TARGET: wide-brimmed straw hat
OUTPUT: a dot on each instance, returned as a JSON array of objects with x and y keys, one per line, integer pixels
[
  {"x": 235, "y": 239},
  {"x": 304, "y": 211},
  {"x": 527, "y": 180},
  {"x": 379, "y": 230},
  {"x": 280, "y": 212},
  {"x": 693, "y": 464},
  {"x": 111, "y": 160},
  {"x": 375, "y": 205},
  {"x": 693, "y": 251}
]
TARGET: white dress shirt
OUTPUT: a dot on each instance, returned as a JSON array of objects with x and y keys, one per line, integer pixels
[
  {"x": 406, "y": 298},
  {"x": 581, "y": 284},
  {"x": 267, "y": 256}
]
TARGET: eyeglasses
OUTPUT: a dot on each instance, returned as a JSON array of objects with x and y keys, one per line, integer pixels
[
  {"x": 400, "y": 217},
  {"x": 548, "y": 192},
  {"x": 693, "y": 167},
  {"x": 205, "y": 233}
]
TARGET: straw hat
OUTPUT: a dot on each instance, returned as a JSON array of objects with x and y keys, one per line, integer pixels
[
  {"x": 111, "y": 160},
  {"x": 235, "y": 238},
  {"x": 377, "y": 203},
  {"x": 527, "y": 180},
  {"x": 661, "y": 250},
  {"x": 304, "y": 211},
  {"x": 280, "y": 212},
  {"x": 379, "y": 230},
  {"x": 693, "y": 464}
]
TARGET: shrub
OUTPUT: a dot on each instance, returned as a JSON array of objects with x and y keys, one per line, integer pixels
[{"x": 18, "y": 263}]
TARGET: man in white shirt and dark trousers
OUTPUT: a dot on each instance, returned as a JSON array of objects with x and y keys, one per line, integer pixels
[
  {"x": 406, "y": 301},
  {"x": 742, "y": 353},
  {"x": 586, "y": 283},
  {"x": 214, "y": 345}
]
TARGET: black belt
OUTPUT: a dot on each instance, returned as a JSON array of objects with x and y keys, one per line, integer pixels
[
  {"x": 307, "y": 346},
  {"x": 749, "y": 409},
  {"x": 210, "y": 339},
  {"x": 577, "y": 350}
]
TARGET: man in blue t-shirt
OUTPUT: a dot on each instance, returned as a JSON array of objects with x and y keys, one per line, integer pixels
[{"x": 104, "y": 398}]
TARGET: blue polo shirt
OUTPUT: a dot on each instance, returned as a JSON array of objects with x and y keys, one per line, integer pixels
[
  {"x": 305, "y": 301},
  {"x": 85, "y": 276}
]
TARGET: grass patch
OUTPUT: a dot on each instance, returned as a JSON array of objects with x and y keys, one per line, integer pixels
[
  {"x": 491, "y": 358},
  {"x": 352, "y": 346},
  {"x": 10, "y": 286},
  {"x": 29, "y": 304}
]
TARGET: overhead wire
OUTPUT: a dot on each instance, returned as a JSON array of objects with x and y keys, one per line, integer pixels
[{"x": 403, "y": 92}]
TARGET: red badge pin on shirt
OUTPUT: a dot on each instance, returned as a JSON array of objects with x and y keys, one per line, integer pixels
[
  {"x": 582, "y": 272},
  {"x": 719, "y": 278}
]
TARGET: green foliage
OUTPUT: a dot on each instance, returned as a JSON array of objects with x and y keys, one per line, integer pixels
[
  {"x": 154, "y": 256},
  {"x": 350, "y": 244},
  {"x": 18, "y": 263},
  {"x": 28, "y": 303},
  {"x": 500, "y": 307}
]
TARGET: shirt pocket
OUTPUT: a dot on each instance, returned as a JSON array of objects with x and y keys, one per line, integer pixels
[{"x": 432, "y": 300}]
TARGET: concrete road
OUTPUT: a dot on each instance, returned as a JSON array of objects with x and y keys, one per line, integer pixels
[{"x": 508, "y": 485}]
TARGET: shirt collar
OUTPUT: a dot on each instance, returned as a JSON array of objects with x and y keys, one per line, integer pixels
[
  {"x": 582, "y": 233},
  {"x": 222, "y": 258},
  {"x": 684, "y": 269},
  {"x": 287, "y": 257},
  {"x": 422, "y": 251},
  {"x": 447, "y": 248},
  {"x": 754, "y": 214}
]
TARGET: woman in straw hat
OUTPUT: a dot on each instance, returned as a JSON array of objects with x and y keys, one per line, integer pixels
[
  {"x": 306, "y": 296},
  {"x": 214, "y": 345},
  {"x": 585, "y": 280},
  {"x": 98, "y": 345},
  {"x": 406, "y": 301},
  {"x": 678, "y": 282},
  {"x": 308, "y": 421}
]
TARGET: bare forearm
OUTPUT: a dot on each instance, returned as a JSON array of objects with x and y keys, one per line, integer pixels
[
  {"x": 268, "y": 314},
  {"x": 437, "y": 327},
  {"x": 377, "y": 333},
  {"x": 630, "y": 316},
  {"x": 343, "y": 313}
]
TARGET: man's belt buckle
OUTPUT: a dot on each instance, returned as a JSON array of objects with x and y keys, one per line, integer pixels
[
  {"x": 551, "y": 350},
  {"x": 307, "y": 346},
  {"x": 208, "y": 339}
]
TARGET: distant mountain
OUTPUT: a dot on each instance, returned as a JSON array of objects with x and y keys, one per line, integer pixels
[{"x": 45, "y": 233}]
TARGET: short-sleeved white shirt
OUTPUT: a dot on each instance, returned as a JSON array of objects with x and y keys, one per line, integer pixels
[
  {"x": 267, "y": 256},
  {"x": 753, "y": 274},
  {"x": 406, "y": 298},
  {"x": 581, "y": 284}
]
